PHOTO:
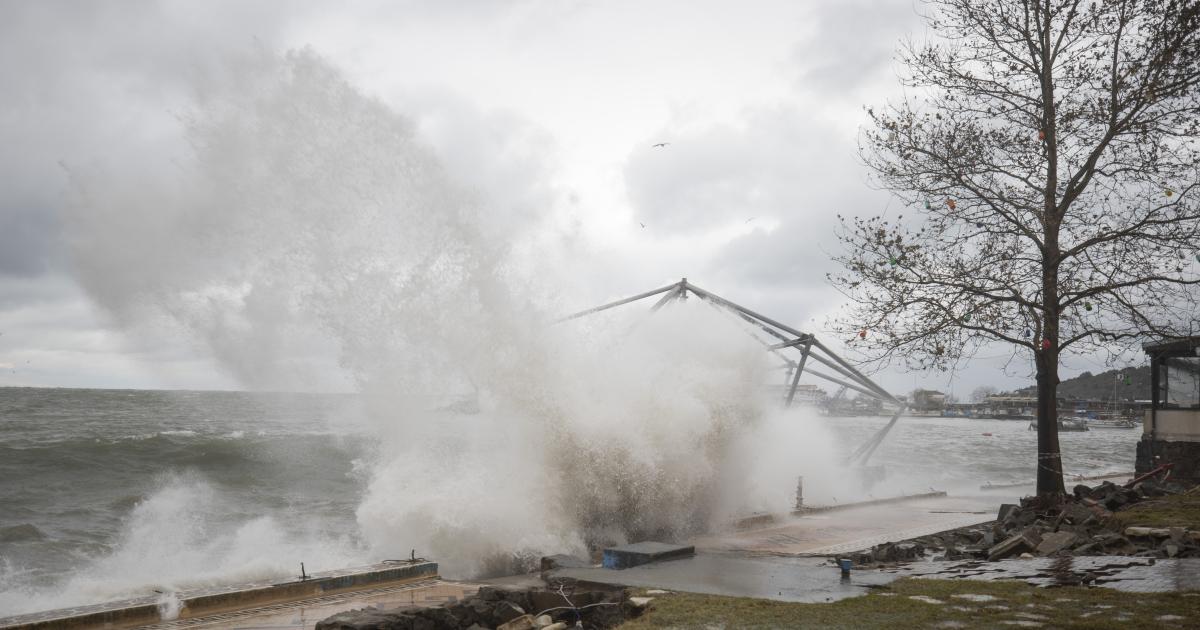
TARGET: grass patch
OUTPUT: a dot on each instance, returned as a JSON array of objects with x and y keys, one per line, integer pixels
[
  {"x": 1179, "y": 510},
  {"x": 906, "y": 603}
]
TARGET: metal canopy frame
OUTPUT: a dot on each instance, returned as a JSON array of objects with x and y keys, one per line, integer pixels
[{"x": 785, "y": 343}]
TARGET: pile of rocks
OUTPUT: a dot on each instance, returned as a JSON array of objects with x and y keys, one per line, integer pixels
[
  {"x": 1078, "y": 525},
  {"x": 502, "y": 609}
]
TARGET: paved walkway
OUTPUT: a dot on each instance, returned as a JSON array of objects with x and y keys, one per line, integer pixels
[
  {"x": 771, "y": 561},
  {"x": 860, "y": 527}
]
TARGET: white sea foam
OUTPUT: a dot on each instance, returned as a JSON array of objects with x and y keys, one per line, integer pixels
[{"x": 180, "y": 538}]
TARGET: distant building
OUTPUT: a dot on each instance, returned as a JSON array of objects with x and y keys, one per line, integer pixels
[
  {"x": 1171, "y": 429},
  {"x": 1008, "y": 407},
  {"x": 927, "y": 400},
  {"x": 806, "y": 393}
]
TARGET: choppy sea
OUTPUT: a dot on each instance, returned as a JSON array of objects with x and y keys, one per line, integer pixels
[{"x": 105, "y": 493}]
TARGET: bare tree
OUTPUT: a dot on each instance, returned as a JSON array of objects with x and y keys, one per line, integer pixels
[{"x": 1048, "y": 150}]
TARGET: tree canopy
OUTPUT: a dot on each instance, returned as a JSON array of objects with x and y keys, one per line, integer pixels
[{"x": 1046, "y": 153}]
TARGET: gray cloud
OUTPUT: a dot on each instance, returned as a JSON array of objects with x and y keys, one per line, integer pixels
[
  {"x": 780, "y": 167},
  {"x": 28, "y": 246},
  {"x": 95, "y": 83},
  {"x": 781, "y": 163},
  {"x": 852, "y": 46},
  {"x": 99, "y": 86}
]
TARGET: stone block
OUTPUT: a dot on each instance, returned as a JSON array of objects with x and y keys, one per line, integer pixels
[
  {"x": 1025, "y": 518},
  {"x": 545, "y": 600},
  {"x": 1005, "y": 511},
  {"x": 640, "y": 553},
  {"x": 365, "y": 620},
  {"x": 1012, "y": 546},
  {"x": 1078, "y": 514},
  {"x": 506, "y": 611},
  {"x": 1055, "y": 542},
  {"x": 1090, "y": 549},
  {"x": 1033, "y": 534},
  {"x": 439, "y": 616}
]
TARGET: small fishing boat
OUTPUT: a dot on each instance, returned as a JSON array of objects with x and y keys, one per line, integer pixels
[
  {"x": 1067, "y": 423},
  {"x": 1113, "y": 423}
]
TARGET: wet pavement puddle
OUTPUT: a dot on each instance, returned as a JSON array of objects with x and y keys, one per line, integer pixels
[{"x": 1132, "y": 574}]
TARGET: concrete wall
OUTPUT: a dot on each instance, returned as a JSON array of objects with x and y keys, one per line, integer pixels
[
  {"x": 202, "y": 602},
  {"x": 1174, "y": 424},
  {"x": 1184, "y": 454}
]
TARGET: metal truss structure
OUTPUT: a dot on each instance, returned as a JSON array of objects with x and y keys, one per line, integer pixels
[{"x": 797, "y": 350}]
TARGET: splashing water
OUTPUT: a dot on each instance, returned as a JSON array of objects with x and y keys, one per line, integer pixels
[
  {"x": 312, "y": 227},
  {"x": 171, "y": 542}
]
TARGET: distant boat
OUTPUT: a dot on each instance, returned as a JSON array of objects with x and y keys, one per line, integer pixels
[
  {"x": 1066, "y": 424},
  {"x": 1112, "y": 423}
]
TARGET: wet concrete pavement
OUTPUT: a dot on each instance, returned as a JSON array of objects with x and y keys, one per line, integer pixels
[
  {"x": 784, "y": 579},
  {"x": 1138, "y": 575},
  {"x": 860, "y": 527},
  {"x": 788, "y": 560},
  {"x": 807, "y": 579}
]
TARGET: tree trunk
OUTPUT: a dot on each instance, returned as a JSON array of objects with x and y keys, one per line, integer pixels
[{"x": 1049, "y": 458}]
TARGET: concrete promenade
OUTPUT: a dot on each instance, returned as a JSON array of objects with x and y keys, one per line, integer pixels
[
  {"x": 851, "y": 528},
  {"x": 777, "y": 559},
  {"x": 392, "y": 579}
]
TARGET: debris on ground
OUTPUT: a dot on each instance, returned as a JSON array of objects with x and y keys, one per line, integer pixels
[
  {"x": 550, "y": 608},
  {"x": 1084, "y": 523}
]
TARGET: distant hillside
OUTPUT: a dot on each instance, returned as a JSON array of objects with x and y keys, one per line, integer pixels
[{"x": 1126, "y": 384}]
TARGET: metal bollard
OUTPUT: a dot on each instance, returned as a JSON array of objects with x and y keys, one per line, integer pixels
[{"x": 845, "y": 564}]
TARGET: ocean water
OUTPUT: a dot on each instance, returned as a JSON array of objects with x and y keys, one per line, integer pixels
[
  {"x": 109, "y": 493},
  {"x": 106, "y": 492},
  {"x": 954, "y": 454}
]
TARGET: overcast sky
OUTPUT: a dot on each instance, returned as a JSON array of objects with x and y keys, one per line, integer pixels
[{"x": 547, "y": 104}]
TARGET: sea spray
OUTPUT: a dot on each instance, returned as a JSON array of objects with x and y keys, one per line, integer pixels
[
  {"x": 169, "y": 606},
  {"x": 188, "y": 534},
  {"x": 75, "y": 465},
  {"x": 631, "y": 430},
  {"x": 311, "y": 227}
]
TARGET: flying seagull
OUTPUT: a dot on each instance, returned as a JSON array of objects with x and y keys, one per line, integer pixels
[
  {"x": 751, "y": 219},
  {"x": 660, "y": 144},
  {"x": 642, "y": 224}
]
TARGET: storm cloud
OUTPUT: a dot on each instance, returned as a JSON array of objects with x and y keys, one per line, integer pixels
[{"x": 545, "y": 113}]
